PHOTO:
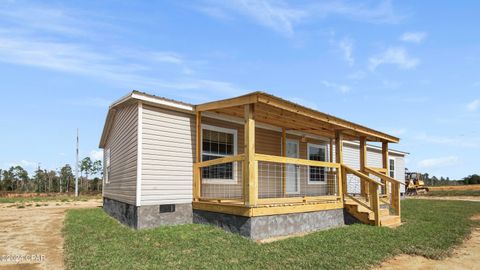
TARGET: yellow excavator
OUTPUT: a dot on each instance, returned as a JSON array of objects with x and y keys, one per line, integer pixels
[{"x": 415, "y": 183}]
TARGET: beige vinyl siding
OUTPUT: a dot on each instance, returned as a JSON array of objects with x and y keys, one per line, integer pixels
[
  {"x": 168, "y": 143},
  {"x": 122, "y": 142}
]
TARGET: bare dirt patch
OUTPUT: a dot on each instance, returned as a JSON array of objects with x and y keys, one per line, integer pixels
[
  {"x": 467, "y": 256},
  {"x": 32, "y": 232}
]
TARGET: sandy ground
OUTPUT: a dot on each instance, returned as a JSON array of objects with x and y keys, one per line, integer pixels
[{"x": 34, "y": 234}]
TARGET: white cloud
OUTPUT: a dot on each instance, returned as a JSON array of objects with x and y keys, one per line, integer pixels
[
  {"x": 357, "y": 75},
  {"x": 65, "y": 41},
  {"x": 473, "y": 106},
  {"x": 338, "y": 87},
  {"x": 415, "y": 37},
  {"x": 96, "y": 154},
  {"x": 438, "y": 162},
  {"x": 395, "y": 56},
  {"x": 282, "y": 17},
  {"x": 26, "y": 164},
  {"x": 276, "y": 15},
  {"x": 460, "y": 141},
  {"x": 346, "y": 46},
  {"x": 382, "y": 13}
]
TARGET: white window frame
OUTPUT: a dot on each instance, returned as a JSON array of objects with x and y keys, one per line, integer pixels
[
  {"x": 297, "y": 142},
  {"x": 394, "y": 165},
  {"x": 108, "y": 160},
  {"x": 324, "y": 146},
  {"x": 235, "y": 144}
]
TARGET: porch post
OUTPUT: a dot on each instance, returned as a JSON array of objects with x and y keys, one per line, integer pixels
[
  {"x": 363, "y": 164},
  {"x": 196, "y": 169},
  {"x": 284, "y": 154},
  {"x": 385, "y": 163},
  {"x": 250, "y": 173},
  {"x": 342, "y": 180}
]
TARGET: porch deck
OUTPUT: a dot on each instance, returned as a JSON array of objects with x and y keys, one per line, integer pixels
[{"x": 262, "y": 185}]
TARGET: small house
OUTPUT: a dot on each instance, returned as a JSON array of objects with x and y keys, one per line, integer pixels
[{"x": 256, "y": 164}]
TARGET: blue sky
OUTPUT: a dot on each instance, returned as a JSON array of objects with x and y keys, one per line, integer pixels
[{"x": 409, "y": 68}]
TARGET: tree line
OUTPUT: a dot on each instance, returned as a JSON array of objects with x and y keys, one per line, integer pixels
[
  {"x": 473, "y": 179},
  {"x": 16, "y": 178}
]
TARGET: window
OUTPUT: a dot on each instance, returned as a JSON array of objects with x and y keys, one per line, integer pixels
[
  {"x": 391, "y": 167},
  {"x": 107, "y": 166},
  {"x": 317, "y": 175},
  {"x": 217, "y": 143}
]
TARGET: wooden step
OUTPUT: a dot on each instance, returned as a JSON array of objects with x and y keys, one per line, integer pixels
[
  {"x": 367, "y": 216},
  {"x": 390, "y": 221}
]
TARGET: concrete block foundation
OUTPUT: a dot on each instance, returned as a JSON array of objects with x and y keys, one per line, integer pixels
[
  {"x": 266, "y": 227},
  {"x": 148, "y": 216}
]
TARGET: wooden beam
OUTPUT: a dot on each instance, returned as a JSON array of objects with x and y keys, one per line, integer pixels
[
  {"x": 292, "y": 107},
  {"x": 226, "y": 103},
  {"x": 338, "y": 147},
  {"x": 385, "y": 155},
  {"x": 361, "y": 175},
  {"x": 342, "y": 179},
  {"x": 222, "y": 160},
  {"x": 363, "y": 164},
  {"x": 250, "y": 173},
  {"x": 242, "y": 210},
  {"x": 304, "y": 199},
  {"x": 385, "y": 162},
  {"x": 382, "y": 176},
  {"x": 375, "y": 202},
  {"x": 196, "y": 169},
  {"x": 234, "y": 209},
  {"x": 300, "y": 208},
  {"x": 284, "y": 154},
  {"x": 296, "y": 161}
]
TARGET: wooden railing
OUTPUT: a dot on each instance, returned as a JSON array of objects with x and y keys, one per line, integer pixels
[
  {"x": 332, "y": 169},
  {"x": 395, "y": 192},
  {"x": 373, "y": 202}
]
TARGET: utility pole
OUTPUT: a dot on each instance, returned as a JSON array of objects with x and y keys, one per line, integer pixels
[{"x": 76, "y": 169}]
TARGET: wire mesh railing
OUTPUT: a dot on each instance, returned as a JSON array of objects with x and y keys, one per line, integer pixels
[
  {"x": 286, "y": 180},
  {"x": 222, "y": 181}
]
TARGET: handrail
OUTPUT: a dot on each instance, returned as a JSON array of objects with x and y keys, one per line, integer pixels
[
  {"x": 361, "y": 175},
  {"x": 383, "y": 176},
  {"x": 297, "y": 161},
  {"x": 220, "y": 161},
  {"x": 359, "y": 202},
  {"x": 380, "y": 170}
]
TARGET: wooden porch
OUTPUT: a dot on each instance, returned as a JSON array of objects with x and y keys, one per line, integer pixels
[{"x": 375, "y": 202}]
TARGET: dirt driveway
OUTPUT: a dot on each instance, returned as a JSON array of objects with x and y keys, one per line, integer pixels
[{"x": 31, "y": 237}]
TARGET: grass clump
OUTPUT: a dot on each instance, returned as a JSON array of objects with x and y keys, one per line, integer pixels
[
  {"x": 447, "y": 193},
  {"x": 93, "y": 240}
]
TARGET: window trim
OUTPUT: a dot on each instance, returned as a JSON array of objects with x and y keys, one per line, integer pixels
[
  {"x": 106, "y": 174},
  {"x": 394, "y": 165},
  {"x": 324, "y": 146},
  {"x": 234, "y": 179},
  {"x": 297, "y": 142}
]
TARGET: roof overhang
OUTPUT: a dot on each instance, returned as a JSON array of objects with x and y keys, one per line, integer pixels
[
  {"x": 136, "y": 96},
  {"x": 280, "y": 112}
]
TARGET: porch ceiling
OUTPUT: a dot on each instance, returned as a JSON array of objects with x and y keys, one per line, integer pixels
[{"x": 275, "y": 111}]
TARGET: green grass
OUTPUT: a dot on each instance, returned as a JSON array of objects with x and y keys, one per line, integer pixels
[
  {"x": 57, "y": 198},
  {"x": 93, "y": 240},
  {"x": 446, "y": 193}
]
